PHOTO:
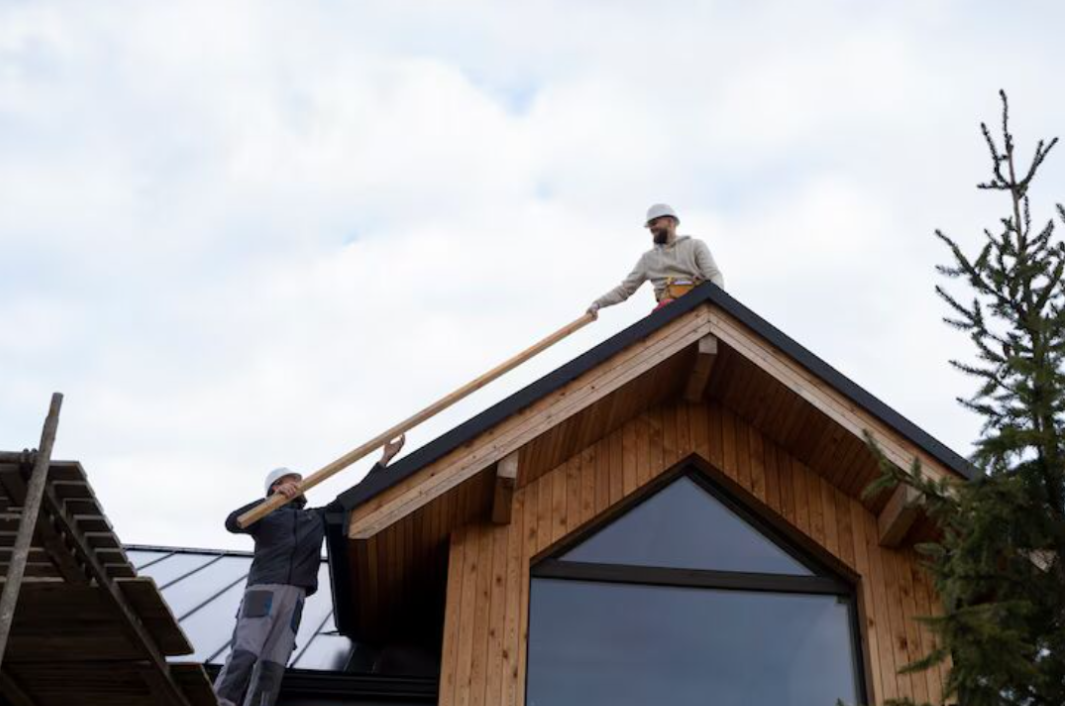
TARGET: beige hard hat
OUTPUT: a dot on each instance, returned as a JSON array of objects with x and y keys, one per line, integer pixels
[{"x": 658, "y": 210}]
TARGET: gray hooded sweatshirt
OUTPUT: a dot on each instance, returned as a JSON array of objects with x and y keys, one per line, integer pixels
[{"x": 686, "y": 258}]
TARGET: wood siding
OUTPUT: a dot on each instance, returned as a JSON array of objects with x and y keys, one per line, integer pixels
[{"x": 486, "y": 621}]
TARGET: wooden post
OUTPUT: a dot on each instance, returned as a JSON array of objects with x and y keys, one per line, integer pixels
[
  {"x": 30, "y": 510},
  {"x": 267, "y": 506},
  {"x": 705, "y": 356},
  {"x": 503, "y": 495}
]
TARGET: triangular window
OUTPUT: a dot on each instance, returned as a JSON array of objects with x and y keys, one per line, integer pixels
[{"x": 683, "y": 526}]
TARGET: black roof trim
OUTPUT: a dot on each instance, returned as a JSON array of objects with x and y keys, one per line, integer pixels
[{"x": 378, "y": 482}]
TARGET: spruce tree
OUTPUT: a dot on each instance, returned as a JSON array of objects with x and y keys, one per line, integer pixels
[{"x": 999, "y": 560}]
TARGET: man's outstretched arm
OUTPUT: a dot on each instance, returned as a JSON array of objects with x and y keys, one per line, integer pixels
[{"x": 623, "y": 291}]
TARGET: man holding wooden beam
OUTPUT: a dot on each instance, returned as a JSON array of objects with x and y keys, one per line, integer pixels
[
  {"x": 675, "y": 265},
  {"x": 284, "y": 571}
]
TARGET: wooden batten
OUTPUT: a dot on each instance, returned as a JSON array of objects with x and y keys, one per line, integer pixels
[
  {"x": 706, "y": 354},
  {"x": 898, "y": 516},
  {"x": 506, "y": 479}
]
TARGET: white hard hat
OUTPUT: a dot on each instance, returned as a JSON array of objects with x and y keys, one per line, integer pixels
[
  {"x": 273, "y": 475},
  {"x": 659, "y": 210}
]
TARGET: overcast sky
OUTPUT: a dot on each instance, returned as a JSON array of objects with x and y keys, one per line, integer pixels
[{"x": 246, "y": 234}]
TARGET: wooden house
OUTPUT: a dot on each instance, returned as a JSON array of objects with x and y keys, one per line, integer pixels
[{"x": 674, "y": 514}]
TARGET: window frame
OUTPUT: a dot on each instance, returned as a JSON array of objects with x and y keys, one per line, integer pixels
[{"x": 824, "y": 580}]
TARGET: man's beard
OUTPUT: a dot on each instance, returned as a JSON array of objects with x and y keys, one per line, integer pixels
[
  {"x": 661, "y": 236},
  {"x": 300, "y": 502}
]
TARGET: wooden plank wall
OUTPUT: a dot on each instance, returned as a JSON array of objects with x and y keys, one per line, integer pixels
[{"x": 487, "y": 593}]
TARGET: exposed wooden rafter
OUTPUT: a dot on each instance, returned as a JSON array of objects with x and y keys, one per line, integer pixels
[
  {"x": 705, "y": 356},
  {"x": 898, "y": 516},
  {"x": 506, "y": 478}
]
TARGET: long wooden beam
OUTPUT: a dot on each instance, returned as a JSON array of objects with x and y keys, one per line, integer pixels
[
  {"x": 265, "y": 508},
  {"x": 27, "y": 527},
  {"x": 509, "y": 436}
]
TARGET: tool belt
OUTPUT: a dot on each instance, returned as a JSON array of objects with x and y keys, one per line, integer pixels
[{"x": 676, "y": 288}]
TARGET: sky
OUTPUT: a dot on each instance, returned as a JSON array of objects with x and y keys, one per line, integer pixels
[{"x": 243, "y": 234}]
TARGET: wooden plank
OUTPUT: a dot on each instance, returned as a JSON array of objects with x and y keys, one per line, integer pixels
[
  {"x": 873, "y": 633},
  {"x": 706, "y": 355},
  {"x": 617, "y": 478},
  {"x": 828, "y": 512},
  {"x": 772, "y": 477},
  {"x": 743, "y": 454},
  {"x": 717, "y": 458},
  {"x": 602, "y": 477},
  {"x": 629, "y": 481},
  {"x": 515, "y": 542},
  {"x": 464, "y": 662},
  {"x": 756, "y": 451},
  {"x": 453, "y": 617},
  {"x": 573, "y": 494},
  {"x": 559, "y": 498},
  {"x": 865, "y": 530},
  {"x": 496, "y": 618},
  {"x": 531, "y": 542},
  {"x": 656, "y": 445},
  {"x": 813, "y": 499},
  {"x": 517, "y": 431},
  {"x": 587, "y": 486},
  {"x": 543, "y": 512},
  {"x": 479, "y": 661},
  {"x": 802, "y": 501}
]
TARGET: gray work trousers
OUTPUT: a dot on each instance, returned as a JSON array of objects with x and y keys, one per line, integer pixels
[{"x": 263, "y": 640}]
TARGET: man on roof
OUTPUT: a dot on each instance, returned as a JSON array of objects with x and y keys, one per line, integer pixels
[
  {"x": 675, "y": 265},
  {"x": 284, "y": 571}
]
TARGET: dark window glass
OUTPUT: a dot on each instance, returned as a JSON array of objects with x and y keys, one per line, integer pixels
[
  {"x": 685, "y": 527},
  {"x": 621, "y": 644}
]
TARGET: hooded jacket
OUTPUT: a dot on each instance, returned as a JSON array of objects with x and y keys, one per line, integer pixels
[{"x": 288, "y": 544}]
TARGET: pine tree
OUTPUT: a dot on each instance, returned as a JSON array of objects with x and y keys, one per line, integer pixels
[{"x": 999, "y": 561}]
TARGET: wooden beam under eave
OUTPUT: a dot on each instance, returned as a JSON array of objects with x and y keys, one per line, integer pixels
[
  {"x": 706, "y": 354},
  {"x": 506, "y": 479},
  {"x": 898, "y": 516}
]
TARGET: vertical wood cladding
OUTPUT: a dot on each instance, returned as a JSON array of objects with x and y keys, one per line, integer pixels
[{"x": 486, "y": 623}]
